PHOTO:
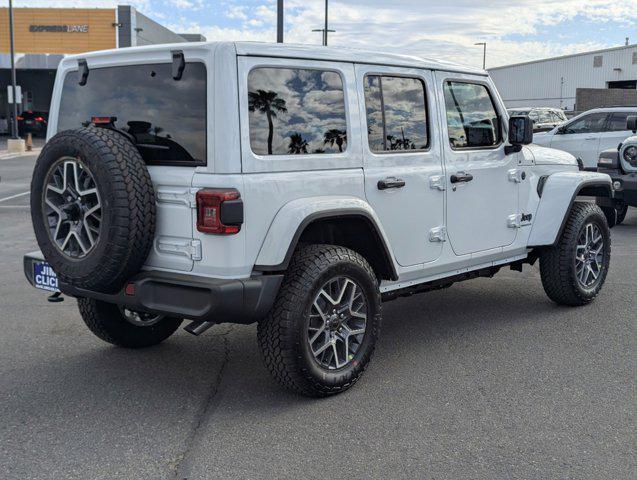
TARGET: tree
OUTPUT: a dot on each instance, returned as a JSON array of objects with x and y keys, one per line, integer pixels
[
  {"x": 269, "y": 103},
  {"x": 335, "y": 136},
  {"x": 297, "y": 144}
]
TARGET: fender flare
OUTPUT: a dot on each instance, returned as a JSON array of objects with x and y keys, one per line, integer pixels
[
  {"x": 294, "y": 217},
  {"x": 558, "y": 194}
]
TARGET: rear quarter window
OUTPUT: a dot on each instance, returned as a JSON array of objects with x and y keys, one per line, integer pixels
[
  {"x": 296, "y": 111},
  {"x": 166, "y": 117}
]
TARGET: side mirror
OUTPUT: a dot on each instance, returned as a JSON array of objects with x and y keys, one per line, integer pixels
[
  {"x": 520, "y": 131},
  {"x": 631, "y": 124}
]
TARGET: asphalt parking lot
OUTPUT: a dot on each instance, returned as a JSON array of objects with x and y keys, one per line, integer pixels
[{"x": 485, "y": 380}]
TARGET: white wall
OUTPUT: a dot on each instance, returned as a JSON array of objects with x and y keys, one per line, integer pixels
[{"x": 540, "y": 83}]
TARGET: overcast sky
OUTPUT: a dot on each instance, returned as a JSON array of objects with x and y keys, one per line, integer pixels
[{"x": 515, "y": 31}]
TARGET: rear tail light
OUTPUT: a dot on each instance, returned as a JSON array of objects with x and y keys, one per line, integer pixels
[
  {"x": 20, "y": 117},
  {"x": 39, "y": 119},
  {"x": 219, "y": 211}
]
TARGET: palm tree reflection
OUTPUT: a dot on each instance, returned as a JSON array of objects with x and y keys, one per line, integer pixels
[
  {"x": 269, "y": 103},
  {"x": 335, "y": 136},
  {"x": 297, "y": 144}
]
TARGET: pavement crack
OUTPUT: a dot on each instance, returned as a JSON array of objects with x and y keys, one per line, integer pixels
[{"x": 180, "y": 464}]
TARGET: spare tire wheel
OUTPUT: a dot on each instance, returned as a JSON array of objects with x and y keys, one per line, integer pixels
[{"x": 93, "y": 208}]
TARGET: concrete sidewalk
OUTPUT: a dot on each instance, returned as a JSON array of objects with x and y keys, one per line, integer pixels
[{"x": 38, "y": 143}]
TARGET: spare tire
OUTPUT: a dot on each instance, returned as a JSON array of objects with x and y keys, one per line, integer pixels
[{"x": 93, "y": 208}]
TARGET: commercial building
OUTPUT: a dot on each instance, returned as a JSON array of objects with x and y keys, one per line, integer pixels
[
  {"x": 43, "y": 36},
  {"x": 573, "y": 82}
]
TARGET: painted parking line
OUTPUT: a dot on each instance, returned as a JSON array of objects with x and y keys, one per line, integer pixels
[{"x": 14, "y": 196}]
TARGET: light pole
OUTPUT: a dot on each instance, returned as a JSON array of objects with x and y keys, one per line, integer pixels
[
  {"x": 14, "y": 122},
  {"x": 484, "y": 54},
  {"x": 325, "y": 30},
  {"x": 279, "y": 21}
]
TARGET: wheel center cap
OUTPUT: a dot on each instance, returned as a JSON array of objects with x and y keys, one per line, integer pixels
[{"x": 73, "y": 211}]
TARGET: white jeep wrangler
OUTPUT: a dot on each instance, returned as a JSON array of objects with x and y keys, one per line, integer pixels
[{"x": 297, "y": 187}]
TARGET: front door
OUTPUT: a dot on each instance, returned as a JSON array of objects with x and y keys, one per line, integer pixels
[
  {"x": 404, "y": 179},
  {"x": 482, "y": 194},
  {"x": 581, "y": 137}
]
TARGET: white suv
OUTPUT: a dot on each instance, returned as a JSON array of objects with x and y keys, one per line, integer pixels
[
  {"x": 297, "y": 187},
  {"x": 590, "y": 133}
]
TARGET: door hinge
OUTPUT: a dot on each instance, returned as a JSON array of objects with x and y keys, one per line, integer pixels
[
  {"x": 181, "y": 196},
  {"x": 437, "y": 182},
  {"x": 186, "y": 248},
  {"x": 519, "y": 220},
  {"x": 516, "y": 175},
  {"x": 438, "y": 234}
]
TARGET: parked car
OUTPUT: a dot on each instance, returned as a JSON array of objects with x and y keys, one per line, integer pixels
[
  {"x": 590, "y": 133},
  {"x": 621, "y": 164},
  {"x": 544, "y": 119},
  {"x": 34, "y": 122},
  {"x": 298, "y": 187}
]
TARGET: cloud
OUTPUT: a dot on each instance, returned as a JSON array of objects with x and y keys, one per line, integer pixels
[{"x": 515, "y": 31}]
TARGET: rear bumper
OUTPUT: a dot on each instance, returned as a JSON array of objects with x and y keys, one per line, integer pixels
[{"x": 214, "y": 300}]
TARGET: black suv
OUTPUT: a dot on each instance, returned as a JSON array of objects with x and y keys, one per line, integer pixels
[
  {"x": 621, "y": 164},
  {"x": 33, "y": 122}
]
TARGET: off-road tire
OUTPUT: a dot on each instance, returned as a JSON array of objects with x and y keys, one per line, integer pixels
[
  {"x": 128, "y": 208},
  {"x": 557, "y": 264},
  {"x": 622, "y": 210},
  {"x": 106, "y": 321},
  {"x": 282, "y": 334}
]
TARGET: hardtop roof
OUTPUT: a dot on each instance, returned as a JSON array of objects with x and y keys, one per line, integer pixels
[{"x": 306, "y": 52}]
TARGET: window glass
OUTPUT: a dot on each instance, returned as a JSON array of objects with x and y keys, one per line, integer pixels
[
  {"x": 166, "y": 117},
  {"x": 618, "y": 122},
  {"x": 545, "y": 116},
  {"x": 556, "y": 117},
  {"x": 296, "y": 111},
  {"x": 592, "y": 123},
  {"x": 472, "y": 119},
  {"x": 396, "y": 113}
]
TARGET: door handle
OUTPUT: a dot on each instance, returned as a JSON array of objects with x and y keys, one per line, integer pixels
[
  {"x": 461, "y": 177},
  {"x": 590, "y": 138},
  {"x": 390, "y": 182}
]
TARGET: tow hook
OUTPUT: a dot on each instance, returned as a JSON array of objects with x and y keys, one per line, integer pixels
[
  {"x": 197, "y": 328},
  {"x": 55, "y": 298}
]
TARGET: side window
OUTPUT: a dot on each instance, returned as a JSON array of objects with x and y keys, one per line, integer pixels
[
  {"x": 618, "y": 122},
  {"x": 545, "y": 116},
  {"x": 472, "y": 118},
  {"x": 294, "y": 111},
  {"x": 396, "y": 113},
  {"x": 593, "y": 123},
  {"x": 556, "y": 117}
]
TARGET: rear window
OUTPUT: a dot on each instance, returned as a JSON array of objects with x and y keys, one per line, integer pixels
[{"x": 166, "y": 117}]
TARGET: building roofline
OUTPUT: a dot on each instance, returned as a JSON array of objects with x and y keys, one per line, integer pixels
[{"x": 561, "y": 57}]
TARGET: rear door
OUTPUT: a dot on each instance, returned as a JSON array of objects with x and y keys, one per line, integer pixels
[
  {"x": 581, "y": 137},
  {"x": 482, "y": 198},
  {"x": 167, "y": 119},
  {"x": 615, "y": 131},
  {"x": 404, "y": 180}
]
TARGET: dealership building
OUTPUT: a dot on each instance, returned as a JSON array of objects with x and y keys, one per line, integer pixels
[
  {"x": 573, "y": 82},
  {"x": 42, "y": 36}
]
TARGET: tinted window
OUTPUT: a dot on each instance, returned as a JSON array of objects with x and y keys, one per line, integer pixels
[
  {"x": 592, "y": 123},
  {"x": 296, "y": 111},
  {"x": 396, "y": 113},
  {"x": 472, "y": 119},
  {"x": 618, "y": 122},
  {"x": 166, "y": 117}
]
